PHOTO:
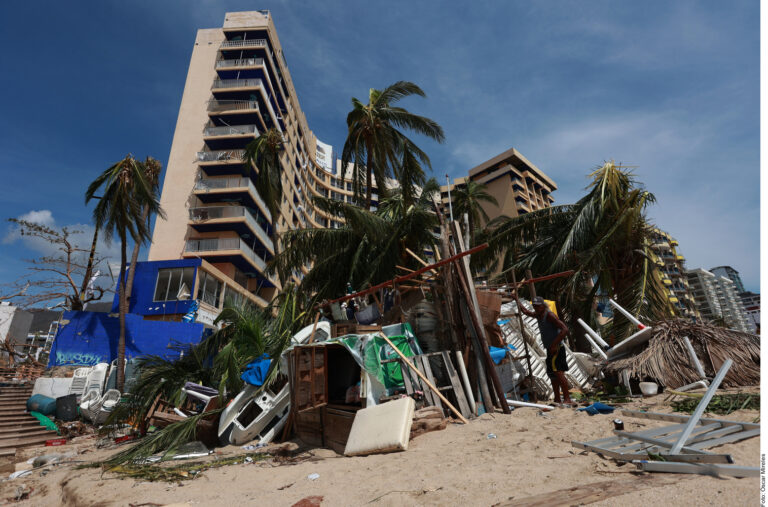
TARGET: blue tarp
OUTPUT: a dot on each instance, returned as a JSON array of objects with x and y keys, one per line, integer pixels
[
  {"x": 88, "y": 338},
  {"x": 256, "y": 371},
  {"x": 497, "y": 354},
  {"x": 597, "y": 408}
]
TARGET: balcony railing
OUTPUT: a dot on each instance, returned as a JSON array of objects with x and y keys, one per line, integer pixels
[
  {"x": 239, "y": 62},
  {"x": 231, "y": 131},
  {"x": 237, "y": 83},
  {"x": 220, "y": 155},
  {"x": 233, "y": 105},
  {"x": 204, "y": 213},
  {"x": 222, "y": 244},
  {"x": 208, "y": 184},
  {"x": 248, "y": 43}
]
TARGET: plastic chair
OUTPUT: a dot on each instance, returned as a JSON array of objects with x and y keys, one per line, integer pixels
[{"x": 108, "y": 403}]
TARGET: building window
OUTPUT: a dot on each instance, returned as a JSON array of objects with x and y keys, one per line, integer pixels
[
  {"x": 174, "y": 284},
  {"x": 210, "y": 289}
]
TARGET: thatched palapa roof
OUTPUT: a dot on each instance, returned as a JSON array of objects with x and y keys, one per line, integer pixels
[{"x": 665, "y": 358}]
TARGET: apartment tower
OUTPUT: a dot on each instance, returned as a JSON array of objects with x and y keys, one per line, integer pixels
[
  {"x": 238, "y": 86},
  {"x": 517, "y": 185},
  {"x": 671, "y": 263}
]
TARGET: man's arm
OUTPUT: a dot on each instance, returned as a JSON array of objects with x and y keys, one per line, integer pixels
[
  {"x": 522, "y": 308},
  {"x": 561, "y": 335}
]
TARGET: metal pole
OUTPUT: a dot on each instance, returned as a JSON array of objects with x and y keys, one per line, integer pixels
[
  {"x": 701, "y": 407},
  {"x": 591, "y": 332},
  {"x": 525, "y": 343},
  {"x": 450, "y": 202},
  {"x": 627, "y": 314},
  {"x": 695, "y": 359}
]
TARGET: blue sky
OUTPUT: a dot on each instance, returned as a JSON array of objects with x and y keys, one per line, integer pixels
[{"x": 670, "y": 87}]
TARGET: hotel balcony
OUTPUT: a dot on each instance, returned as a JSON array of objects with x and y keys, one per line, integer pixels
[
  {"x": 228, "y": 218},
  {"x": 230, "y": 189},
  {"x": 237, "y": 84},
  {"x": 233, "y": 106},
  {"x": 221, "y": 156},
  {"x": 233, "y": 131},
  {"x": 248, "y": 43},
  {"x": 246, "y": 86},
  {"x": 233, "y": 250},
  {"x": 239, "y": 63}
]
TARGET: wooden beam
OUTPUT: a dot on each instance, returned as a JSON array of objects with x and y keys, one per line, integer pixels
[{"x": 401, "y": 279}]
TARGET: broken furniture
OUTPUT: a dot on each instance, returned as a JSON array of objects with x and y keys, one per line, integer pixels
[{"x": 381, "y": 428}]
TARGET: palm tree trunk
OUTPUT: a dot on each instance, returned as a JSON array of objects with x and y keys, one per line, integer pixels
[
  {"x": 368, "y": 182},
  {"x": 135, "y": 258},
  {"x": 123, "y": 311},
  {"x": 78, "y": 304}
]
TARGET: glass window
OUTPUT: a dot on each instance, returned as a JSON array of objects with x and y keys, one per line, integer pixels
[
  {"x": 174, "y": 284},
  {"x": 210, "y": 289}
]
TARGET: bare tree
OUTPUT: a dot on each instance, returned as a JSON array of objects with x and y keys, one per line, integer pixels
[{"x": 65, "y": 275}]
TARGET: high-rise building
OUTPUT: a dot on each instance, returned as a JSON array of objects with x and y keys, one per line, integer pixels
[
  {"x": 238, "y": 86},
  {"x": 516, "y": 184},
  {"x": 717, "y": 299},
  {"x": 731, "y": 274},
  {"x": 672, "y": 265},
  {"x": 751, "y": 303}
]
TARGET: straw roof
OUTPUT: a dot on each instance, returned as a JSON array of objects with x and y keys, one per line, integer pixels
[{"x": 665, "y": 358}]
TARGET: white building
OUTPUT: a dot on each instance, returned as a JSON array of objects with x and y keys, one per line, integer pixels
[{"x": 717, "y": 298}]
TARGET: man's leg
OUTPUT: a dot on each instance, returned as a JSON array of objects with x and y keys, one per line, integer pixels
[
  {"x": 564, "y": 385},
  {"x": 555, "y": 386}
]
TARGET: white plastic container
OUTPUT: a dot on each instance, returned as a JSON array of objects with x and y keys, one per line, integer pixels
[{"x": 649, "y": 388}]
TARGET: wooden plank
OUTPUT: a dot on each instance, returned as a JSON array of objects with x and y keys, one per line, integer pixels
[
  {"x": 592, "y": 492},
  {"x": 22, "y": 442},
  {"x": 407, "y": 382},
  {"x": 458, "y": 391},
  {"x": 658, "y": 416},
  {"x": 431, "y": 378}
]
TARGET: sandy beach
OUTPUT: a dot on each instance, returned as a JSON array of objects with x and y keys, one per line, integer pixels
[{"x": 531, "y": 455}]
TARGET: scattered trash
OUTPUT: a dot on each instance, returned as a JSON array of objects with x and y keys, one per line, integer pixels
[
  {"x": 20, "y": 473},
  {"x": 491, "y": 436},
  {"x": 55, "y": 442},
  {"x": 310, "y": 501},
  {"x": 251, "y": 447},
  {"x": 618, "y": 425},
  {"x": 313, "y": 477},
  {"x": 248, "y": 459}
]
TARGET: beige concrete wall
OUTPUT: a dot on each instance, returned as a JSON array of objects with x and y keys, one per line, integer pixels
[{"x": 180, "y": 176}]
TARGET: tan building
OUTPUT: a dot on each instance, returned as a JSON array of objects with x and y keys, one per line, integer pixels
[
  {"x": 518, "y": 186},
  {"x": 238, "y": 86}
]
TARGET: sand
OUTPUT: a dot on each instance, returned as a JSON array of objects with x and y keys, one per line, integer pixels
[{"x": 531, "y": 455}]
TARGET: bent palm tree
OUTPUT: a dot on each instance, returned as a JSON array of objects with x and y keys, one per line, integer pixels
[
  {"x": 375, "y": 145},
  {"x": 152, "y": 169},
  {"x": 125, "y": 192},
  {"x": 604, "y": 238},
  {"x": 468, "y": 199},
  {"x": 366, "y": 249}
]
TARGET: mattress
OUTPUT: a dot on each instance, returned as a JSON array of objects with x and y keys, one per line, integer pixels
[{"x": 381, "y": 428}]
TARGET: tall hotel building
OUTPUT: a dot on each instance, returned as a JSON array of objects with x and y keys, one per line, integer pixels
[
  {"x": 237, "y": 87},
  {"x": 516, "y": 184}
]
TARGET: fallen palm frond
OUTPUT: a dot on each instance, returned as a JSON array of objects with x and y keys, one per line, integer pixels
[
  {"x": 166, "y": 440},
  {"x": 722, "y": 404},
  {"x": 183, "y": 472},
  {"x": 665, "y": 359}
]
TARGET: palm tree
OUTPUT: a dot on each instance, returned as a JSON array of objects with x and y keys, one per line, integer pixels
[
  {"x": 366, "y": 249},
  {"x": 375, "y": 144},
  {"x": 264, "y": 152},
  {"x": 246, "y": 333},
  {"x": 604, "y": 238},
  {"x": 467, "y": 199},
  {"x": 152, "y": 169},
  {"x": 125, "y": 192}
]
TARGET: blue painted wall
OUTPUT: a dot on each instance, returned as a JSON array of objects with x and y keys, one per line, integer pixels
[
  {"x": 143, "y": 292},
  {"x": 88, "y": 338}
]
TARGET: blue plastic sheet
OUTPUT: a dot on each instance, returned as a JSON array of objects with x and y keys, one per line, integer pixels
[
  {"x": 497, "y": 354},
  {"x": 256, "y": 371},
  {"x": 597, "y": 408},
  {"x": 88, "y": 338}
]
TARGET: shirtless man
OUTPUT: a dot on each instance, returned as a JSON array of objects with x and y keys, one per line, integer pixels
[{"x": 553, "y": 332}]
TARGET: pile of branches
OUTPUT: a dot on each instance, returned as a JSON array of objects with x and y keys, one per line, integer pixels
[{"x": 665, "y": 360}]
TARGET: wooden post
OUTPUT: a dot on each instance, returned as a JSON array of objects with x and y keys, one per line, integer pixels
[
  {"x": 427, "y": 382},
  {"x": 314, "y": 328},
  {"x": 531, "y": 286},
  {"x": 474, "y": 313},
  {"x": 525, "y": 343}
]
